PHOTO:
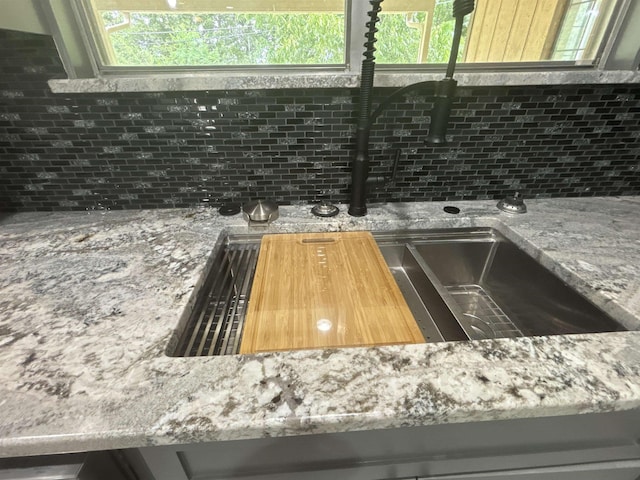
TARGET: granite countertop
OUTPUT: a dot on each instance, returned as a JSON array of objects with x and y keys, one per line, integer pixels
[{"x": 89, "y": 302}]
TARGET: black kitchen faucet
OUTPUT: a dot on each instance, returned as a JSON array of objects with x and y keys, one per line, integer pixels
[{"x": 444, "y": 91}]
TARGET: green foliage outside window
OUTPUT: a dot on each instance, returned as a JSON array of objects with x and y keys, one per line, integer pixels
[
  {"x": 399, "y": 44},
  {"x": 228, "y": 39},
  {"x": 171, "y": 39}
]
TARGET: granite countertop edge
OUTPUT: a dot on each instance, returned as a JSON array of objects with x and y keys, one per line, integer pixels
[{"x": 90, "y": 301}]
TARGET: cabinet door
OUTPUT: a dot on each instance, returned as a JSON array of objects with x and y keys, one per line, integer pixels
[{"x": 619, "y": 470}]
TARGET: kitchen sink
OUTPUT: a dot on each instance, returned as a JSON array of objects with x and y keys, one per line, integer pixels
[
  {"x": 476, "y": 284},
  {"x": 460, "y": 284}
]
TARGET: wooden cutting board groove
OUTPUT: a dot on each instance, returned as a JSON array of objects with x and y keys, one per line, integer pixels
[{"x": 320, "y": 290}]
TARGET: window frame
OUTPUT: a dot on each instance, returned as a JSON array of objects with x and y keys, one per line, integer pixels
[{"x": 80, "y": 58}]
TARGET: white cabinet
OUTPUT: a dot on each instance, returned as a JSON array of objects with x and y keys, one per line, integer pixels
[
  {"x": 617, "y": 470},
  {"x": 580, "y": 447},
  {"x": 107, "y": 465}
]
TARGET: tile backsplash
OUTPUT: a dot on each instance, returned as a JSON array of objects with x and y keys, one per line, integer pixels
[{"x": 159, "y": 150}]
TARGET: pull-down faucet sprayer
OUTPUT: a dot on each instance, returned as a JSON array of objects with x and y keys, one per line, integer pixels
[{"x": 444, "y": 91}]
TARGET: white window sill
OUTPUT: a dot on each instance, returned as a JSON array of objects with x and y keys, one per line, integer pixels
[{"x": 233, "y": 81}]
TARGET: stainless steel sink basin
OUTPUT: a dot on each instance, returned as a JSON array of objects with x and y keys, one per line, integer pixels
[
  {"x": 460, "y": 284},
  {"x": 476, "y": 284}
]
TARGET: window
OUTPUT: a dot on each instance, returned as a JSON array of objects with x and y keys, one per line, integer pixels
[
  {"x": 165, "y": 33},
  {"x": 138, "y": 37},
  {"x": 582, "y": 29},
  {"x": 498, "y": 31}
]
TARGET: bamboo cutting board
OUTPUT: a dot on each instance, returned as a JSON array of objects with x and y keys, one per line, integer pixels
[{"x": 315, "y": 290}]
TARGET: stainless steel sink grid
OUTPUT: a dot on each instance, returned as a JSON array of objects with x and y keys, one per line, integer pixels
[
  {"x": 460, "y": 284},
  {"x": 481, "y": 315},
  {"x": 215, "y": 325}
]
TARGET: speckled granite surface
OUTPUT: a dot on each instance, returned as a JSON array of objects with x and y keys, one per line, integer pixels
[
  {"x": 88, "y": 303},
  {"x": 230, "y": 81}
]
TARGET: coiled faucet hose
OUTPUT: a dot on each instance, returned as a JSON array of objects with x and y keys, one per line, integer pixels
[{"x": 462, "y": 7}]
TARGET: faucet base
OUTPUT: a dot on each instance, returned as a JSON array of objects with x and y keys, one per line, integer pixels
[{"x": 357, "y": 211}]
